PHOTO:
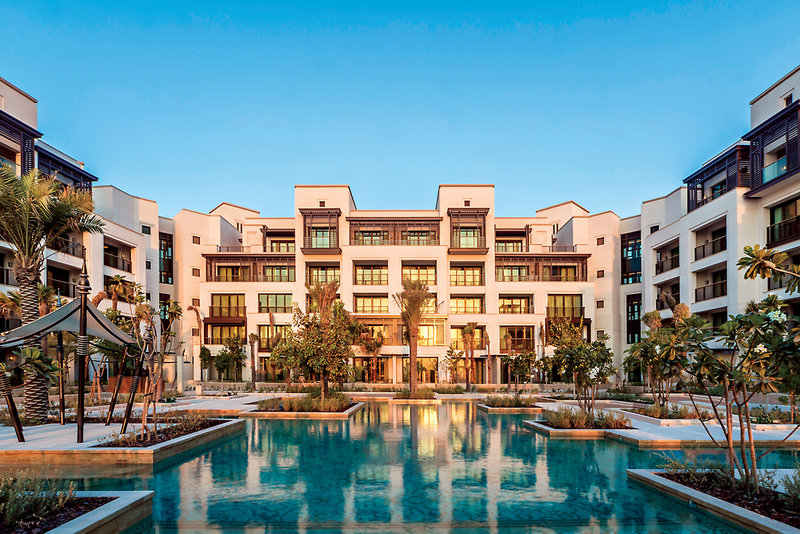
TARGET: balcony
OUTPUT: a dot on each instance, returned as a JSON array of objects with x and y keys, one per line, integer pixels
[
  {"x": 712, "y": 247},
  {"x": 242, "y": 277},
  {"x": 73, "y": 248},
  {"x": 661, "y": 304},
  {"x": 475, "y": 242},
  {"x": 509, "y": 246},
  {"x": 776, "y": 282},
  {"x": 569, "y": 312},
  {"x": 517, "y": 344},
  {"x": 275, "y": 309},
  {"x": 559, "y": 248},
  {"x": 668, "y": 264},
  {"x": 4, "y": 162},
  {"x": 234, "y": 313},
  {"x": 7, "y": 277},
  {"x": 117, "y": 262},
  {"x": 566, "y": 277},
  {"x": 515, "y": 310},
  {"x": 783, "y": 232},
  {"x": 63, "y": 287},
  {"x": 711, "y": 291},
  {"x": 774, "y": 170},
  {"x": 360, "y": 240},
  {"x": 468, "y": 310},
  {"x": 460, "y": 280}
]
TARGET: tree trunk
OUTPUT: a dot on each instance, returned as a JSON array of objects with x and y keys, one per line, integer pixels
[
  {"x": 253, "y": 365},
  {"x": 36, "y": 398},
  {"x": 323, "y": 383},
  {"x": 412, "y": 360}
]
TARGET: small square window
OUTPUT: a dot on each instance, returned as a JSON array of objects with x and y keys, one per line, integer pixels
[
  {"x": 147, "y": 296},
  {"x": 195, "y": 271},
  {"x": 196, "y": 303},
  {"x": 467, "y": 203},
  {"x": 600, "y": 333},
  {"x": 601, "y": 241},
  {"x": 195, "y": 332},
  {"x": 321, "y": 203},
  {"x": 601, "y": 304},
  {"x": 654, "y": 229},
  {"x": 147, "y": 264},
  {"x": 787, "y": 100},
  {"x": 145, "y": 229},
  {"x": 601, "y": 273},
  {"x": 196, "y": 239}
]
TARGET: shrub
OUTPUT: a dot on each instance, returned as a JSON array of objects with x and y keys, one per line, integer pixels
[
  {"x": 623, "y": 396},
  {"x": 422, "y": 393},
  {"x": 334, "y": 402},
  {"x": 25, "y": 497},
  {"x": 168, "y": 428},
  {"x": 567, "y": 418},
  {"x": 503, "y": 401},
  {"x": 674, "y": 411},
  {"x": 791, "y": 485},
  {"x": 315, "y": 391},
  {"x": 450, "y": 390}
]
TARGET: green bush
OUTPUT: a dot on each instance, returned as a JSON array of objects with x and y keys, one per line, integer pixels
[
  {"x": 623, "y": 396},
  {"x": 674, "y": 411},
  {"x": 449, "y": 390},
  {"x": 27, "y": 498},
  {"x": 422, "y": 393},
  {"x": 568, "y": 418},
  {"x": 334, "y": 402},
  {"x": 504, "y": 401}
]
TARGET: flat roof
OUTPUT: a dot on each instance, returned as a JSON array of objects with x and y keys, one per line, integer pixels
[
  {"x": 774, "y": 85},
  {"x": 20, "y": 91}
]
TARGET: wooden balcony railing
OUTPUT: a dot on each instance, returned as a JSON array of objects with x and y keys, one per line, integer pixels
[
  {"x": 711, "y": 291},
  {"x": 783, "y": 232},
  {"x": 560, "y": 248},
  {"x": 222, "y": 312},
  {"x": 712, "y": 247},
  {"x": 673, "y": 262},
  {"x": 117, "y": 262},
  {"x": 331, "y": 241},
  {"x": 458, "y": 241},
  {"x": 467, "y": 310},
  {"x": 569, "y": 312},
  {"x": 460, "y": 280}
]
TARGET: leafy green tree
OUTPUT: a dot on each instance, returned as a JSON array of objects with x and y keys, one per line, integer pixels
[
  {"x": 519, "y": 365},
  {"x": 450, "y": 362},
  {"x": 206, "y": 359},
  {"x": 590, "y": 365},
  {"x": 35, "y": 211},
  {"x": 222, "y": 362}
]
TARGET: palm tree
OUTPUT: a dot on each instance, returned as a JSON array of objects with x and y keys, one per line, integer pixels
[
  {"x": 9, "y": 304},
  {"x": 35, "y": 212},
  {"x": 414, "y": 302},
  {"x": 46, "y": 297},
  {"x": 468, "y": 335},
  {"x": 118, "y": 286},
  {"x": 372, "y": 346}
]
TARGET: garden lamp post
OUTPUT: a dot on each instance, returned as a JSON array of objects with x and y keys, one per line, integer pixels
[{"x": 82, "y": 350}]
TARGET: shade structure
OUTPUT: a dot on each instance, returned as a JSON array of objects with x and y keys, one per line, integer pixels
[{"x": 67, "y": 319}]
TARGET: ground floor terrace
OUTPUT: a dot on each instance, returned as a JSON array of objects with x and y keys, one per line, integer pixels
[{"x": 403, "y": 467}]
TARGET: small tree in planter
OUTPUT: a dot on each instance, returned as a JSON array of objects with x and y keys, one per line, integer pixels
[
  {"x": 206, "y": 360},
  {"x": 590, "y": 365},
  {"x": 520, "y": 365},
  {"x": 222, "y": 362},
  {"x": 450, "y": 362}
]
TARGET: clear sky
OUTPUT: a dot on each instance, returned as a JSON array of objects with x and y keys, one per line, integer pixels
[{"x": 192, "y": 103}]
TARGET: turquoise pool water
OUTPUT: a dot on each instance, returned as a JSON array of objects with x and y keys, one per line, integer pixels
[{"x": 446, "y": 468}]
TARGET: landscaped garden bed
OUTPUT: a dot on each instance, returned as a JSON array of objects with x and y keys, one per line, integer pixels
[
  {"x": 510, "y": 404},
  {"x": 422, "y": 396},
  {"x": 334, "y": 402},
  {"x": 674, "y": 415},
  {"x": 713, "y": 491},
  {"x": 167, "y": 430}
]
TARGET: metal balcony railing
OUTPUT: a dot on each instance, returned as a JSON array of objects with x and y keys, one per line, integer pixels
[
  {"x": 517, "y": 344},
  {"x": 711, "y": 291},
  {"x": 712, "y": 247},
  {"x": 467, "y": 310},
  {"x": 560, "y": 248},
  {"x": 673, "y": 262},
  {"x": 63, "y": 287},
  {"x": 7, "y": 277},
  {"x": 461, "y": 280},
  {"x": 73, "y": 248},
  {"x": 661, "y": 304},
  {"x": 117, "y": 262},
  {"x": 516, "y": 310},
  {"x": 459, "y": 241},
  {"x": 331, "y": 241},
  {"x": 783, "y": 231}
]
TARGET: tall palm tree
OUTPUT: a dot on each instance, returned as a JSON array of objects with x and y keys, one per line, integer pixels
[
  {"x": 468, "y": 335},
  {"x": 372, "y": 346},
  {"x": 46, "y": 296},
  {"x": 35, "y": 211},
  {"x": 414, "y": 302},
  {"x": 253, "y": 339}
]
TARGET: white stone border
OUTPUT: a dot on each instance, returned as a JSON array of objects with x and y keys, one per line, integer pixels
[
  {"x": 127, "y": 509},
  {"x": 660, "y": 422},
  {"x": 333, "y": 416},
  {"x": 730, "y": 512}
]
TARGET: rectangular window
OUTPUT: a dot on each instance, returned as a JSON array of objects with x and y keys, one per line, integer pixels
[
  {"x": 232, "y": 273},
  {"x": 371, "y": 237},
  {"x": 515, "y": 305},
  {"x": 279, "y": 273},
  {"x": 633, "y": 306},
  {"x": 165, "y": 258},
  {"x": 269, "y": 335},
  {"x": 425, "y": 273},
  {"x": 195, "y": 272},
  {"x": 600, "y": 333},
  {"x": 601, "y": 273},
  {"x": 565, "y": 306},
  {"x": 321, "y": 237},
  {"x": 511, "y": 273},
  {"x": 431, "y": 333},
  {"x": 195, "y": 332},
  {"x": 281, "y": 246},
  {"x": 559, "y": 273},
  {"x": 371, "y": 275},
  {"x": 416, "y": 237},
  {"x": 218, "y": 334},
  {"x": 457, "y": 338},
  {"x": 600, "y": 304},
  {"x": 601, "y": 241},
  {"x": 145, "y": 229},
  {"x": 224, "y": 305},
  {"x": 195, "y": 302},
  {"x": 507, "y": 245},
  {"x": 466, "y": 304},
  {"x": 632, "y": 257},
  {"x": 275, "y": 303},
  {"x": 323, "y": 275},
  {"x": 371, "y": 304},
  {"x": 196, "y": 239},
  {"x": 466, "y": 276},
  {"x": 467, "y": 237},
  {"x": 517, "y": 338},
  {"x": 654, "y": 229},
  {"x": 147, "y": 264}
]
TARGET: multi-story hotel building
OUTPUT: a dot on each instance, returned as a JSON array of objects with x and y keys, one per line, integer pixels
[{"x": 236, "y": 272}]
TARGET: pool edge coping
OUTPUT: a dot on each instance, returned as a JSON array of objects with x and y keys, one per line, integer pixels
[{"x": 127, "y": 509}]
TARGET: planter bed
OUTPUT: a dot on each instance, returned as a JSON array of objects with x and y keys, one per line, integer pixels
[
  {"x": 166, "y": 433},
  {"x": 747, "y": 518},
  {"x": 89, "y": 453},
  {"x": 662, "y": 422},
  {"x": 565, "y": 433},
  {"x": 123, "y": 509},
  {"x": 416, "y": 401},
  {"x": 510, "y": 409},
  {"x": 256, "y": 414}
]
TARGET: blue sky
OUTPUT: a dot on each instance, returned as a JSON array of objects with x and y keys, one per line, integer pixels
[{"x": 192, "y": 103}]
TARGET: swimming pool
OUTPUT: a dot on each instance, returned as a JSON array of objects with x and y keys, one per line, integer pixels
[{"x": 400, "y": 468}]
